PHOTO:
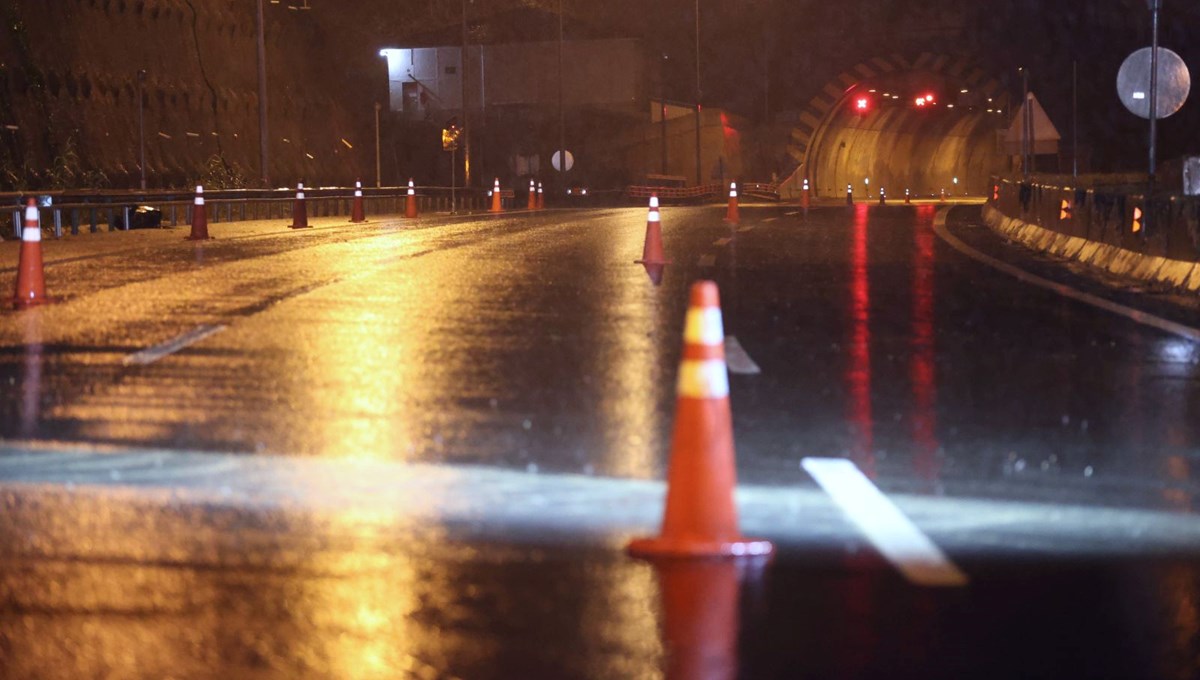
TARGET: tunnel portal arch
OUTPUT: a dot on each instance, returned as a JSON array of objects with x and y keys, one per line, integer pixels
[{"x": 896, "y": 144}]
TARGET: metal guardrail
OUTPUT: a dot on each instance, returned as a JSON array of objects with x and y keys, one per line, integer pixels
[
  {"x": 769, "y": 192},
  {"x": 112, "y": 209}
]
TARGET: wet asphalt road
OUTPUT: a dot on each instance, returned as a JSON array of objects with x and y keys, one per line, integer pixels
[{"x": 1046, "y": 446}]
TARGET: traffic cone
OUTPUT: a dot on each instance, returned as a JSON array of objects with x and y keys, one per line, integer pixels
[
  {"x": 299, "y": 212},
  {"x": 804, "y": 196},
  {"x": 357, "y": 213},
  {"x": 849, "y": 195},
  {"x": 731, "y": 213},
  {"x": 410, "y": 202},
  {"x": 943, "y": 197},
  {"x": 496, "y": 207},
  {"x": 882, "y": 196},
  {"x": 541, "y": 198},
  {"x": 652, "y": 249},
  {"x": 907, "y": 197},
  {"x": 532, "y": 204},
  {"x": 31, "y": 281},
  {"x": 700, "y": 519},
  {"x": 199, "y": 217}
]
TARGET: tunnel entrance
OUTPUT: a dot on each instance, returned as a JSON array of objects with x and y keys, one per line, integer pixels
[{"x": 925, "y": 125}]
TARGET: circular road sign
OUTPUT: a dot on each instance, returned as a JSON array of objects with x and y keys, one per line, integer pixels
[
  {"x": 1133, "y": 82},
  {"x": 558, "y": 166}
]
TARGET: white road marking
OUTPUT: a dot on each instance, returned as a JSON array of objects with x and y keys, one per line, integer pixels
[
  {"x": 1135, "y": 315},
  {"x": 888, "y": 529},
  {"x": 794, "y": 212},
  {"x": 707, "y": 261},
  {"x": 738, "y": 359},
  {"x": 746, "y": 228},
  {"x": 770, "y": 219},
  {"x": 152, "y": 354},
  {"x": 722, "y": 242}
]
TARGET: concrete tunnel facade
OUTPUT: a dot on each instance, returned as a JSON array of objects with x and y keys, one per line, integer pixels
[{"x": 896, "y": 144}]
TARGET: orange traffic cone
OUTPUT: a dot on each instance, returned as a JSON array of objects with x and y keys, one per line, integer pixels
[
  {"x": 907, "y": 196},
  {"x": 532, "y": 204},
  {"x": 299, "y": 212},
  {"x": 541, "y": 198},
  {"x": 731, "y": 213},
  {"x": 496, "y": 207},
  {"x": 652, "y": 249},
  {"x": 357, "y": 213},
  {"x": 943, "y": 197},
  {"x": 199, "y": 217},
  {"x": 410, "y": 203},
  {"x": 31, "y": 281},
  {"x": 804, "y": 196},
  {"x": 700, "y": 519}
]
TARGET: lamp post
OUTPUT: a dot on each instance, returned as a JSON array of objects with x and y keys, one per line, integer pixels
[
  {"x": 141, "y": 80},
  {"x": 378, "y": 174},
  {"x": 698, "y": 166},
  {"x": 262, "y": 97},
  {"x": 562, "y": 125},
  {"x": 662, "y": 108}
]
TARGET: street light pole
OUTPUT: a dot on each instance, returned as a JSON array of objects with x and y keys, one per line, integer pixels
[
  {"x": 378, "y": 174},
  {"x": 262, "y": 97},
  {"x": 1154, "y": 7},
  {"x": 562, "y": 125},
  {"x": 662, "y": 108},
  {"x": 466, "y": 124},
  {"x": 141, "y": 79},
  {"x": 698, "y": 166}
]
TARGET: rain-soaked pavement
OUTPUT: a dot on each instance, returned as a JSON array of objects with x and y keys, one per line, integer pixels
[{"x": 416, "y": 449}]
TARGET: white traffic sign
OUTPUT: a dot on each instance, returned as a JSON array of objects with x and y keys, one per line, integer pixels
[
  {"x": 1133, "y": 82},
  {"x": 557, "y": 166}
]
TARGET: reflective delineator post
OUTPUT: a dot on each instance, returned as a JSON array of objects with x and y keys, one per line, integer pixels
[
  {"x": 700, "y": 519},
  {"x": 410, "y": 200},
  {"x": 199, "y": 217},
  {"x": 299, "y": 211},
  {"x": 31, "y": 282},
  {"x": 357, "y": 212},
  {"x": 496, "y": 207},
  {"x": 731, "y": 212}
]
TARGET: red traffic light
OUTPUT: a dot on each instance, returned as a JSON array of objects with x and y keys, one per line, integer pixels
[{"x": 862, "y": 104}]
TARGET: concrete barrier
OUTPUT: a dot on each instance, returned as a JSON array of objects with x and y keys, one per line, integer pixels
[{"x": 1096, "y": 226}]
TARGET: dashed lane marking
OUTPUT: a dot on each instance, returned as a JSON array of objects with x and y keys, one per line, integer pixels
[
  {"x": 888, "y": 529},
  {"x": 707, "y": 260},
  {"x": 1135, "y": 315},
  {"x": 738, "y": 359},
  {"x": 722, "y": 242},
  {"x": 770, "y": 219},
  {"x": 152, "y": 354},
  {"x": 745, "y": 229},
  {"x": 794, "y": 212}
]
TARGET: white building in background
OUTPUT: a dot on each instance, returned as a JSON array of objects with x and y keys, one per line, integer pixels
[{"x": 599, "y": 74}]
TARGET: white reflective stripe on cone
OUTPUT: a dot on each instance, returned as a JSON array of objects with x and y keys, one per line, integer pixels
[
  {"x": 654, "y": 201},
  {"x": 357, "y": 193},
  {"x": 32, "y": 231},
  {"x": 199, "y": 200},
  {"x": 300, "y": 195},
  {"x": 704, "y": 327},
  {"x": 702, "y": 379},
  {"x": 199, "y": 189},
  {"x": 653, "y": 216}
]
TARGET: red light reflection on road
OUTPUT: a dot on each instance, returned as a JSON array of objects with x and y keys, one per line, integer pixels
[
  {"x": 858, "y": 371},
  {"x": 922, "y": 370}
]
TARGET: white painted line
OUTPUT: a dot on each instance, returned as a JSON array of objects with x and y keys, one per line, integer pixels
[
  {"x": 152, "y": 354},
  {"x": 1135, "y": 315},
  {"x": 794, "y": 212},
  {"x": 745, "y": 229},
  {"x": 722, "y": 242},
  {"x": 738, "y": 359},
  {"x": 770, "y": 219},
  {"x": 707, "y": 260},
  {"x": 888, "y": 529}
]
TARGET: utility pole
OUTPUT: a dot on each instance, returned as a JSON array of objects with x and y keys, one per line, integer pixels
[
  {"x": 378, "y": 165},
  {"x": 466, "y": 119},
  {"x": 562, "y": 124},
  {"x": 662, "y": 108},
  {"x": 141, "y": 80},
  {"x": 265, "y": 173}
]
